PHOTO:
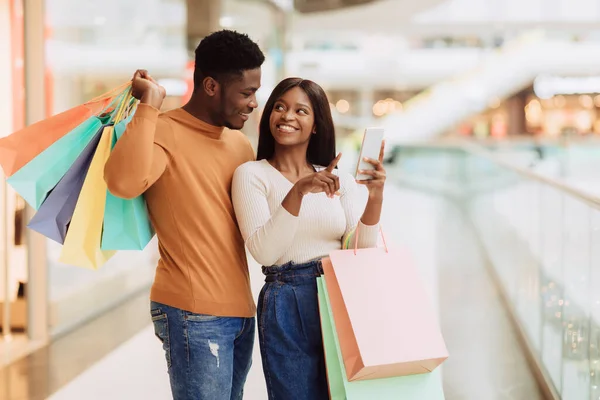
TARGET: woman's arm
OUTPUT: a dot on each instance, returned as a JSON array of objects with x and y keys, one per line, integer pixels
[
  {"x": 368, "y": 229},
  {"x": 266, "y": 236},
  {"x": 375, "y": 186},
  {"x": 269, "y": 236}
]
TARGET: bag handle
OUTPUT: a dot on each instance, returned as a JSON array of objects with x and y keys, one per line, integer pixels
[
  {"x": 111, "y": 106},
  {"x": 131, "y": 107},
  {"x": 110, "y": 93},
  {"x": 356, "y": 238},
  {"x": 124, "y": 105},
  {"x": 115, "y": 99}
]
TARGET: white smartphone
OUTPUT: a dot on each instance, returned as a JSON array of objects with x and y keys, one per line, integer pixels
[{"x": 371, "y": 146}]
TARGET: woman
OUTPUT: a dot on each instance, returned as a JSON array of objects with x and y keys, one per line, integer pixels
[{"x": 293, "y": 209}]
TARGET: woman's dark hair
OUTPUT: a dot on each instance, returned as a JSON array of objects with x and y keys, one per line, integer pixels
[{"x": 321, "y": 147}]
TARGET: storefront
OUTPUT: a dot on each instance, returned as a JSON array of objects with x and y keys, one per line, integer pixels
[
  {"x": 552, "y": 107},
  {"x": 561, "y": 105},
  {"x": 560, "y": 115},
  {"x": 13, "y": 261}
]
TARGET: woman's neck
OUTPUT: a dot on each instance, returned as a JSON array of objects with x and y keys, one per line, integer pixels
[{"x": 291, "y": 161}]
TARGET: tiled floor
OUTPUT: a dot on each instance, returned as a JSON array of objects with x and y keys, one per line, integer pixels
[{"x": 485, "y": 362}]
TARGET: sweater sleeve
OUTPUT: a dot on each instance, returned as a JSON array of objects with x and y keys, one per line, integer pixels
[
  {"x": 266, "y": 235},
  {"x": 367, "y": 234},
  {"x": 137, "y": 160}
]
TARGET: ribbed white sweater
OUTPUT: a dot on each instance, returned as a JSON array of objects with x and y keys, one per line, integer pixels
[{"x": 274, "y": 236}]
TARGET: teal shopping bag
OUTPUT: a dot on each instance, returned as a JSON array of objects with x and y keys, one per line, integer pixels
[
  {"x": 40, "y": 175},
  {"x": 126, "y": 222},
  {"x": 414, "y": 387}
]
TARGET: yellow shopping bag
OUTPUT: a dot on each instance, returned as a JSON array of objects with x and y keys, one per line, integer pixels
[
  {"x": 82, "y": 247},
  {"x": 82, "y": 243}
]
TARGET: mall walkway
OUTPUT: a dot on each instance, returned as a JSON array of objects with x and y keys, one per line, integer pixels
[{"x": 485, "y": 360}]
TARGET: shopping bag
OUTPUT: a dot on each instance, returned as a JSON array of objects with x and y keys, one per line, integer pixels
[
  {"x": 126, "y": 222},
  {"x": 19, "y": 148},
  {"x": 82, "y": 242},
  {"x": 415, "y": 387},
  {"x": 55, "y": 213},
  {"x": 38, "y": 177},
  {"x": 386, "y": 323}
]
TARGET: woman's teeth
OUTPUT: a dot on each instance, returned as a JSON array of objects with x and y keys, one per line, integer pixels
[{"x": 287, "y": 128}]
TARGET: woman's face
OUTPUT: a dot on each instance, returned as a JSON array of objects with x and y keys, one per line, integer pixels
[{"x": 292, "y": 120}]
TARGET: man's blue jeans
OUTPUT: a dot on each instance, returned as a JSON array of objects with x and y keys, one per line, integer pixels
[{"x": 208, "y": 357}]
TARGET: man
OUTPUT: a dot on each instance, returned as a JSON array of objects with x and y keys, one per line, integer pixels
[{"x": 183, "y": 162}]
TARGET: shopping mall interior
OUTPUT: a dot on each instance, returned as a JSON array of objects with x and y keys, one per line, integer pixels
[{"x": 491, "y": 110}]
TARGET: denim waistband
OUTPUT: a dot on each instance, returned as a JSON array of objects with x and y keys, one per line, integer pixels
[{"x": 291, "y": 272}]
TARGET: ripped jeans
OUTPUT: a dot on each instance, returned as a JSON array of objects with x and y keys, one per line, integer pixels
[{"x": 207, "y": 357}]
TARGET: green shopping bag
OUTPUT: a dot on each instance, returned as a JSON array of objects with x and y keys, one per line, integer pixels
[
  {"x": 40, "y": 175},
  {"x": 414, "y": 387},
  {"x": 126, "y": 222}
]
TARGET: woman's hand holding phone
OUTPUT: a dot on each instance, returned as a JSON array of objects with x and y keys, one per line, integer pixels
[{"x": 376, "y": 183}]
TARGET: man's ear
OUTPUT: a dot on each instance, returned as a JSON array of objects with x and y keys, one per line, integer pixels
[{"x": 210, "y": 86}]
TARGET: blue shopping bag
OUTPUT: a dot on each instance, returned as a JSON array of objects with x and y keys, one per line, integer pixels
[
  {"x": 126, "y": 222},
  {"x": 54, "y": 215}
]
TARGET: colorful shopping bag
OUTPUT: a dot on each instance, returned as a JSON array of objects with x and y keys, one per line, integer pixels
[
  {"x": 386, "y": 323},
  {"x": 38, "y": 177},
  {"x": 55, "y": 213},
  {"x": 19, "y": 148},
  {"x": 414, "y": 387},
  {"x": 82, "y": 243},
  {"x": 126, "y": 222}
]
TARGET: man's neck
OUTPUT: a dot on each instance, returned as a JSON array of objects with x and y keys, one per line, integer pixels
[{"x": 198, "y": 109}]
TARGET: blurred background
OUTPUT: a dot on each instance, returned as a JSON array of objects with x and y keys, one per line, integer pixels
[{"x": 492, "y": 117}]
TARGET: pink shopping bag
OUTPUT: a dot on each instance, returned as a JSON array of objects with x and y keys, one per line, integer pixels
[{"x": 384, "y": 318}]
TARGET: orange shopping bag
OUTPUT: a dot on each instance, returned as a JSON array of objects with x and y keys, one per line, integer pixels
[
  {"x": 384, "y": 319},
  {"x": 22, "y": 146}
]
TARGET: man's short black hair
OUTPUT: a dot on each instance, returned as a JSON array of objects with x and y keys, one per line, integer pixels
[{"x": 224, "y": 55}]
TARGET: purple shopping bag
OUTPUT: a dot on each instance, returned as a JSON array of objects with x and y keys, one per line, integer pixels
[{"x": 54, "y": 215}]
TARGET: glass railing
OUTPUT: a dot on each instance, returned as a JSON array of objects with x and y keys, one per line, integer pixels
[{"x": 542, "y": 241}]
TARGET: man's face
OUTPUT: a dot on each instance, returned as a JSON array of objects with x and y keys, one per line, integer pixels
[{"x": 238, "y": 98}]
